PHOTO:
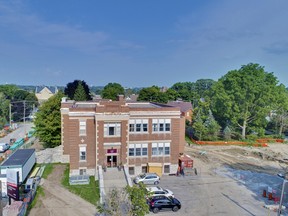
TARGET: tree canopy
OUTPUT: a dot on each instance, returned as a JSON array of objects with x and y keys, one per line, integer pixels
[
  {"x": 48, "y": 121},
  {"x": 80, "y": 94},
  {"x": 153, "y": 94},
  {"x": 112, "y": 90},
  {"x": 244, "y": 97},
  {"x": 71, "y": 88}
]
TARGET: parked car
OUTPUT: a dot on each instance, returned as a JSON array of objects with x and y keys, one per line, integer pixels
[
  {"x": 4, "y": 147},
  {"x": 163, "y": 203},
  {"x": 147, "y": 178},
  {"x": 155, "y": 191}
]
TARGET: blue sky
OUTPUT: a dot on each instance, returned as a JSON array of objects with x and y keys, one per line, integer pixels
[{"x": 139, "y": 43}]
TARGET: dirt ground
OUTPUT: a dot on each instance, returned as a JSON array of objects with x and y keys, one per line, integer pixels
[
  {"x": 57, "y": 200},
  {"x": 270, "y": 160}
]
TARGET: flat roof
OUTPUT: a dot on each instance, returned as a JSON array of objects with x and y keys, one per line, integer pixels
[
  {"x": 142, "y": 105},
  {"x": 18, "y": 158}
]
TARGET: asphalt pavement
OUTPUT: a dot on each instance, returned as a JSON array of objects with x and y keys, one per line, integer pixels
[{"x": 18, "y": 133}]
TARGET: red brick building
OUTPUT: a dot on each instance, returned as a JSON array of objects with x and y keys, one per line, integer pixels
[{"x": 113, "y": 133}]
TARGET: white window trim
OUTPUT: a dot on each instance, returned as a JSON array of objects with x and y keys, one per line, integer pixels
[
  {"x": 82, "y": 127},
  {"x": 160, "y": 145},
  {"x": 138, "y": 145},
  {"x": 83, "y": 147},
  {"x": 117, "y": 128},
  {"x": 157, "y": 122},
  {"x": 138, "y": 121}
]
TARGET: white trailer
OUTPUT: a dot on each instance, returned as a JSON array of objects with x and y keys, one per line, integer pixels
[{"x": 22, "y": 161}]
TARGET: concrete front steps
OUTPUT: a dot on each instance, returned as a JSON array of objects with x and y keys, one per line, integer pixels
[{"x": 114, "y": 178}]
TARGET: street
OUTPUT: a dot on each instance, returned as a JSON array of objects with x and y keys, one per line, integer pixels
[{"x": 18, "y": 133}]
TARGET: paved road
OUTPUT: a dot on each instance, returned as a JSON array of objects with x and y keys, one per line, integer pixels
[{"x": 18, "y": 133}]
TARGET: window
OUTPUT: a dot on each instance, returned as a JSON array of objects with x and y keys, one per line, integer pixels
[
  {"x": 144, "y": 169},
  {"x": 82, "y": 127},
  {"x": 161, "y": 125},
  {"x": 131, "y": 171},
  {"x": 166, "y": 168},
  {"x": 82, "y": 151},
  {"x": 138, "y": 125},
  {"x": 112, "y": 129},
  {"x": 160, "y": 149},
  {"x": 82, "y": 171},
  {"x": 167, "y": 149},
  {"x": 138, "y": 150}
]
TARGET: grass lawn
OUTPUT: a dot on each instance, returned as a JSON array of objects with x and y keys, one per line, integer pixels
[{"x": 90, "y": 192}]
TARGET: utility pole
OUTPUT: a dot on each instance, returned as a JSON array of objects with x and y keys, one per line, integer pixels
[
  {"x": 281, "y": 198},
  {"x": 10, "y": 115},
  {"x": 24, "y": 119}
]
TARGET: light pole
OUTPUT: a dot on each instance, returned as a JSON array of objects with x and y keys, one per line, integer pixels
[{"x": 281, "y": 198}]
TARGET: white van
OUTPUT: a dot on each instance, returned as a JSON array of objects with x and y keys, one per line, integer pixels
[{"x": 4, "y": 147}]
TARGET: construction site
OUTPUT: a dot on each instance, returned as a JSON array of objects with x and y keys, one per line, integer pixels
[{"x": 260, "y": 169}]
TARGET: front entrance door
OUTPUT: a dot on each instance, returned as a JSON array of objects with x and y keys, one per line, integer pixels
[{"x": 111, "y": 160}]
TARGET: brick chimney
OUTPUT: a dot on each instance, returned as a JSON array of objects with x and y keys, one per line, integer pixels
[{"x": 120, "y": 97}]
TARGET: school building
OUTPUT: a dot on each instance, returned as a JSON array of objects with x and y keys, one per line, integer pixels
[{"x": 112, "y": 133}]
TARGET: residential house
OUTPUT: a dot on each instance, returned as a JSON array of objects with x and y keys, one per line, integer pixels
[
  {"x": 43, "y": 93},
  {"x": 185, "y": 108}
]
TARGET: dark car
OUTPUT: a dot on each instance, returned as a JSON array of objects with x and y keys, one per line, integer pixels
[{"x": 163, "y": 203}]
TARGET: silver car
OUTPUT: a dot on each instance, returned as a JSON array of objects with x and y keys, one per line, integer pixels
[{"x": 147, "y": 178}]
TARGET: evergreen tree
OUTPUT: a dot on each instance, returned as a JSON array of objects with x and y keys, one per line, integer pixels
[
  {"x": 80, "y": 94},
  {"x": 71, "y": 87}
]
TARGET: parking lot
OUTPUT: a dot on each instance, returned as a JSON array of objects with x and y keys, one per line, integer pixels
[{"x": 213, "y": 194}]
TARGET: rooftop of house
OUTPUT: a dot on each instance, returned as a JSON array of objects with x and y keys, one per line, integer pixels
[
  {"x": 52, "y": 89},
  {"x": 184, "y": 106}
]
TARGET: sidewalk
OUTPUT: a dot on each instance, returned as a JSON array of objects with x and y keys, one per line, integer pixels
[{"x": 113, "y": 178}]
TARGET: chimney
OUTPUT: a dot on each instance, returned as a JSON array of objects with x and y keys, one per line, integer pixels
[
  {"x": 64, "y": 99},
  {"x": 120, "y": 97}
]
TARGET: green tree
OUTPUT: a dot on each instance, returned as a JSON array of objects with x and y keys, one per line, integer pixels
[
  {"x": 114, "y": 203},
  {"x": 243, "y": 97},
  {"x": 18, "y": 99},
  {"x": 213, "y": 128},
  {"x": 202, "y": 86},
  {"x": 190, "y": 91},
  {"x": 204, "y": 124},
  {"x": 8, "y": 90},
  {"x": 129, "y": 201},
  {"x": 71, "y": 87},
  {"x": 112, "y": 90},
  {"x": 198, "y": 127},
  {"x": 279, "y": 115},
  {"x": 48, "y": 121},
  {"x": 185, "y": 90},
  {"x": 172, "y": 94},
  {"x": 80, "y": 94},
  {"x": 4, "y": 109},
  {"x": 153, "y": 94},
  {"x": 138, "y": 203}
]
